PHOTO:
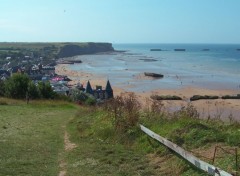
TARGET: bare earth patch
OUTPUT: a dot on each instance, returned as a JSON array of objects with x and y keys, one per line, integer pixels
[{"x": 68, "y": 146}]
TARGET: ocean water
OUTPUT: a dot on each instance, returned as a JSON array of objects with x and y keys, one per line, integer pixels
[{"x": 209, "y": 66}]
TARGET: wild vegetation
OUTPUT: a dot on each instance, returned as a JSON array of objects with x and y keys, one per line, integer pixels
[
  {"x": 107, "y": 139},
  {"x": 19, "y": 86},
  {"x": 183, "y": 127}
]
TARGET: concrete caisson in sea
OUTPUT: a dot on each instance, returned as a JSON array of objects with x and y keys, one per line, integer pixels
[{"x": 179, "y": 49}]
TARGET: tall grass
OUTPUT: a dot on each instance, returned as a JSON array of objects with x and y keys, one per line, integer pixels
[
  {"x": 183, "y": 127},
  {"x": 124, "y": 112}
]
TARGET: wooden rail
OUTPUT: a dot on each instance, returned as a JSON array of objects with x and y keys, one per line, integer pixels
[{"x": 210, "y": 169}]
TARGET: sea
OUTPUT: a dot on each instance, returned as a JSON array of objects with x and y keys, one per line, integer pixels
[{"x": 210, "y": 66}]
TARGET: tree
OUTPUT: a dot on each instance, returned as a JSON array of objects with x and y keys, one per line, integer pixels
[
  {"x": 17, "y": 86},
  {"x": 33, "y": 91},
  {"x": 46, "y": 90}
]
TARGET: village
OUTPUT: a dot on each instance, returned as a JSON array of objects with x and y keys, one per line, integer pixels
[{"x": 38, "y": 72}]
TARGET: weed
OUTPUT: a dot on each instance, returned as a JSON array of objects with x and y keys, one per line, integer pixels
[
  {"x": 188, "y": 111},
  {"x": 124, "y": 112}
]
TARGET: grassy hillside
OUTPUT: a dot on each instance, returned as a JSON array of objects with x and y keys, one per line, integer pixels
[
  {"x": 31, "y": 136},
  {"x": 134, "y": 153},
  {"x": 52, "y": 137}
]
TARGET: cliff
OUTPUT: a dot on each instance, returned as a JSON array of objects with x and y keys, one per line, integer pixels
[{"x": 70, "y": 50}]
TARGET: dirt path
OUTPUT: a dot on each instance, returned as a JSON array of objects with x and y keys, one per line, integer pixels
[
  {"x": 67, "y": 143},
  {"x": 68, "y": 146}
]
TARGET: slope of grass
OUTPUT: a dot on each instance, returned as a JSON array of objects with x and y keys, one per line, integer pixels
[
  {"x": 32, "y": 141},
  {"x": 103, "y": 150},
  {"x": 31, "y": 136},
  {"x": 197, "y": 136},
  {"x": 100, "y": 150}
]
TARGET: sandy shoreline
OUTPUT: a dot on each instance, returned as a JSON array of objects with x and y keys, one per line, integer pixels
[{"x": 214, "y": 108}]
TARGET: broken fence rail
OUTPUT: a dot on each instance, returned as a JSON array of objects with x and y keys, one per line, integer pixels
[{"x": 210, "y": 169}]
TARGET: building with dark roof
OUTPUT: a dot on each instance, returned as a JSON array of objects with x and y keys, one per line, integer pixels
[
  {"x": 109, "y": 90},
  {"x": 89, "y": 88},
  {"x": 99, "y": 93}
]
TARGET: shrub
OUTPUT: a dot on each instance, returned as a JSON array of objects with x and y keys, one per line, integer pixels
[
  {"x": 124, "y": 112},
  {"x": 77, "y": 95},
  {"x": 46, "y": 90},
  {"x": 188, "y": 111},
  {"x": 33, "y": 91},
  {"x": 82, "y": 97},
  {"x": 90, "y": 101},
  {"x": 17, "y": 86}
]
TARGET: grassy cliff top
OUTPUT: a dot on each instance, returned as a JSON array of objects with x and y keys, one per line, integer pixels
[
  {"x": 52, "y": 49},
  {"x": 39, "y": 45}
]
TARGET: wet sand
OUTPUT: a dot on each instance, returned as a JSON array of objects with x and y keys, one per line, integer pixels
[{"x": 215, "y": 108}]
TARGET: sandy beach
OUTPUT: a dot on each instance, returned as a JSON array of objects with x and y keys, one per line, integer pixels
[{"x": 214, "y": 108}]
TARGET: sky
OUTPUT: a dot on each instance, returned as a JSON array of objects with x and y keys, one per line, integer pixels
[{"x": 120, "y": 21}]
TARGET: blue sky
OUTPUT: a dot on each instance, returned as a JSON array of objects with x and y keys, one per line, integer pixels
[{"x": 120, "y": 21}]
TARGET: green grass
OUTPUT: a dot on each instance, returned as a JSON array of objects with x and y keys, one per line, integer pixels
[
  {"x": 195, "y": 134},
  {"x": 103, "y": 151},
  {"x": 32, "y": 141},
  {"x": 100, "y": 150},
  {"x": 31, "y": 137}
]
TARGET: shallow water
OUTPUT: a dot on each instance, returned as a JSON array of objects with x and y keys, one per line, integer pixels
[{"x": 218, "y": 68}]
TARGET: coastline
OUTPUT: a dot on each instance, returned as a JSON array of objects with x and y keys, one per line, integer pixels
[{"x": 218, "y": 108}]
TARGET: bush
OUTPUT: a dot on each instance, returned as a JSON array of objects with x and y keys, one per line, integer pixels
[
  {"x": 33, "y": 91},
  {"x": 188, "y": 111},
  {"x": 124, "y": 112},
  {"x": 77, "y": 95},
  {"x": 90, "y": 101},
  {"x": 17, "y": 86},
  {"x": 46, "y": 90}
]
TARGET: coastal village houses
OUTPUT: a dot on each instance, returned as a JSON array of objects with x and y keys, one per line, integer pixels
[
  {"x": 99, "y": 93},
  {"x": 58, "y": 82}
]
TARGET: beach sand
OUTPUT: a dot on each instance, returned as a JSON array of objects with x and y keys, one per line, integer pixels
[{"x": 214, "y": 108}]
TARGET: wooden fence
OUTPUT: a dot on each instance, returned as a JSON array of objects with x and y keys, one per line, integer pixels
[{"x": 210, "y": 169}]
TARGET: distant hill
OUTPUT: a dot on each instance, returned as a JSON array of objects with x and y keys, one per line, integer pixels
[{"x": 56, "y": 50}]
